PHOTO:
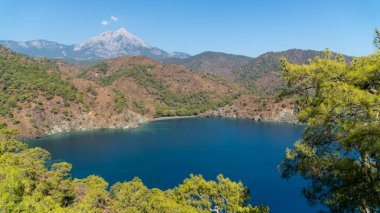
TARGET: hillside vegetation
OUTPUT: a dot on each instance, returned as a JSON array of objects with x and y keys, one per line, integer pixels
[
  {"x": 170, "y": 90},
  {"x": 212, "y": 62},
  {"x": 41, "y": 96},
  {"x": 23, "y": 79},
  {"x": 261, "y": 74}
]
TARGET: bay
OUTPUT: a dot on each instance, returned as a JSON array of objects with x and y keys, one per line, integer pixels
[{"x": 163, "y": 153}]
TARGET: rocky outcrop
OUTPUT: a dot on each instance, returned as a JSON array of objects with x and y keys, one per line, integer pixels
[
  {"x": 90, "y": 122},
  {"x": 260, "y": 109}
]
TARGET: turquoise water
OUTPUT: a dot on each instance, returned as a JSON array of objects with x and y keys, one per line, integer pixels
[{"x": 163, "y": 153}]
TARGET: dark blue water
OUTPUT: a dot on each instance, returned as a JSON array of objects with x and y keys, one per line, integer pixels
[{"x": 163, "y": 153}]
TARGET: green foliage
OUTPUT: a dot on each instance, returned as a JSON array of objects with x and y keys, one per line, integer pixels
[
  {"x": 65, "y": 112},
  {"x": 138, "y": 72},
  {"x": 262, "y": 74},
  {"x": 340, "y": 150},
  {"x": 16, "y": 121},
  {"x": 192, "y": 103},
  {"x": 92, "y": 91},
  {"x": 120, "y": 101},
  {"x": 54, "y": 110},
  {"x": 27, "y": 185},
  {"x": 101, "y": 67},
  {"x": 377, "y": 38},
  {"x": 140, "y": 107},
  {"x": 172, "y": 103},
  {"x": 224, "y": 195},
  {"x": 23, "y": 79},
  {"x": 7, "y": 141}
]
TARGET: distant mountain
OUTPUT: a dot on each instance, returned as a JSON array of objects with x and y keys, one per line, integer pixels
[
  {"x": 261, "y": 74},
  {"x": 39, "y": 48},
  {"x": 212, "y": 62},
  {"x": 270, "y": 62},
  {"x": 105, "y": 46}
]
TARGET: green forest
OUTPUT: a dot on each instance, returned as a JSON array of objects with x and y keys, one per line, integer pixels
[{"x": 23, "y": 79}]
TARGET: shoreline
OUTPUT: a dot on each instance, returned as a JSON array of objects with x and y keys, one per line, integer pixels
[
  {"x": 136, "y": 125},
  {"x": 172, "y": 118}
]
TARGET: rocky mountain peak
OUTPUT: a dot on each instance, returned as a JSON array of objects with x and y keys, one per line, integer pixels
[
  {"x": 106, "y": 45},
  {"x": 113, "y": 41}
]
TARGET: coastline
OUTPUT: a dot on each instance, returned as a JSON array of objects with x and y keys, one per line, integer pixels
[
  {"x": 172, "y": 118},
  {"x": 132, "y": 126},
  {"x": 147, "y": 120}
]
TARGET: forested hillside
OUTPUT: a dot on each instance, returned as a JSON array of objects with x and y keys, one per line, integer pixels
[
  {"x": 25, "y": 79},
  {"x": 41, "y": 96},
  {"x": 261, "y": 74},
  {"x": 212, "y": 62},
  {"x": 159, "y": 89}
]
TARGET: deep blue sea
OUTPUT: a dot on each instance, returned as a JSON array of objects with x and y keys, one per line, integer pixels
[{"x": 163, "y": 153}]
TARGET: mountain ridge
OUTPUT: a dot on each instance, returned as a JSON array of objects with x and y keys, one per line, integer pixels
[
  {"x": 261, "y": 74},
  {"x": 211, "y": 62},
  {"x": 104, "y": 46}
]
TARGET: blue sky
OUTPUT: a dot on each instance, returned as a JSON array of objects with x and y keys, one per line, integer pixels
[{"x": 244, "y": 27}]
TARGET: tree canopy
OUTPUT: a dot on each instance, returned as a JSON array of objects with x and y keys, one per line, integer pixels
[{"x": 340, "y": 149}]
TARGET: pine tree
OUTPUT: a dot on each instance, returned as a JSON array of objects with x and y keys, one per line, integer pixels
[{"x": 340, "y": 149}]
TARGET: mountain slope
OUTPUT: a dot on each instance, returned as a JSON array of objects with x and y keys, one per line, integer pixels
[
  {"x": 263, "y": 74},
  {"x": 40, "y": 96},
  {"x": 162, "y": 89},
  {"x": 39, "y": 48},
  {"x": 212, "y": 62},
  {"x": 105, "y": 46},
  {"x": 260, "y": 74}
]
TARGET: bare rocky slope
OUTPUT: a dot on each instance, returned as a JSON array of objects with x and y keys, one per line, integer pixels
[{"x": 41, "y": 96}]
